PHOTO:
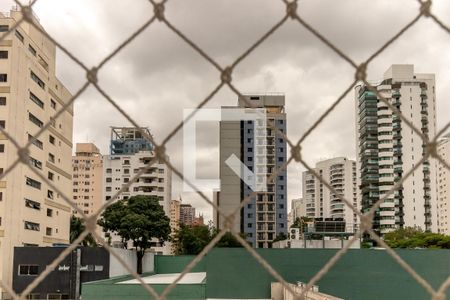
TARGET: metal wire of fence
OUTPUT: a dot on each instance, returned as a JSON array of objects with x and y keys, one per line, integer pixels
[{"x": 225, "y": 79}]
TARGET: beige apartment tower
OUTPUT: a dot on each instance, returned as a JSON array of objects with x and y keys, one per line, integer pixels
[
  {"x": 174, "y": 215},
  {"x": 320, "y": 202},
  {"x": 31, "y": 212},
  {"x": 87, "y": 178},
  {"x": 443, "y": 184},
  {"x": 261, "y": 150}
]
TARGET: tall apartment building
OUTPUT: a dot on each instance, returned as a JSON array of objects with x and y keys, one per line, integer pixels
[
  {"x": 262, "y": 151},
  {"x": 130, "y": 153},
  {"x": 443, "y": 184},
  {"x": 320, "y": 202},
  {"x": 31, "y": 212},
  {"x": 175, "y": 215},
  {"x": 187, "y": 214},
  {"x": 298, "y": 208},
  {"x": 87, "y": 178},
  {"x": 387, "y": 149}
]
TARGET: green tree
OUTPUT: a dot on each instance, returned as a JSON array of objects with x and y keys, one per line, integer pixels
[
  {"x": 190, "y": 240},
  {"x": 77, "y": 227},
  {"x": 138, "y": 219},
  {"x": 415, "y": 238},
  {"x": 280, "y": 237}
]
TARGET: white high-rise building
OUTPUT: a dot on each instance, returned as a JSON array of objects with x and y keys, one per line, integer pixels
[
  {"x": 32, "y": 213},
  {"x": 298, "y": 208},
  {"x": 387, "y": 149},
  {"x": 443, "y": 184},
  {"x": 130, "y": 153},
  {"x": 340, "y": 172}
]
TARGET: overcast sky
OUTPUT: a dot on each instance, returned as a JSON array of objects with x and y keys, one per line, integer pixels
[{"x": 158, "y": 75}]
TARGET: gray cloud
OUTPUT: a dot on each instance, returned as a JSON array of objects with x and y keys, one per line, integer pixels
[{"x": 158, "y": 75}]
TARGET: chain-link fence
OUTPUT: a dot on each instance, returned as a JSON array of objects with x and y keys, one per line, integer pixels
[{"x": 225, "y": 79}]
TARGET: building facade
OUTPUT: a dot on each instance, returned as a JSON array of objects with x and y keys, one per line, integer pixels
[
  {"x": 262, "y": 150},
  {"x": 32, "y": 213},
  {"x": 118, "y": 169},
  {"x": 87, "y": 178},
  {"x": 443, "y": 184},
  {"x": 387, "y": 149},
  {"x": 320, "y": 202},
  {"x": 187, "y": 214},
  {"x": 298, "y": 208},
  {"x": 175, "y": 215}
]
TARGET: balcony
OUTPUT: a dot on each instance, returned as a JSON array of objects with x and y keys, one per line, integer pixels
[
  {"x": 398, "y": 169},
  {"x": 396, "y": 94}
]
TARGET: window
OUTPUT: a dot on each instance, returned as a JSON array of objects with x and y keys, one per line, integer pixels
[
  {"x": 53, "y": 104},
  {"x": 108, "y": 179},
  {"x": 3, "y": 77},
  {"x": 32, "y": 226},
  {"x": 51, "y": 139},
  {"x": 1, "y": 196},
  {"x": 126, "y": 171},
  {"x": 2, "y": 148},
  {"x": 4, "y": 28},
  {"x": 2, "y": 101},
  {"x": 2, "y": 124},
  {"x": 51, "y": 176},
  {"x": 32, "y": 50},
  {"x": 51, "y": 158},
  {"x": 35, "y": 120},
  {"x": 36, "y": 100},
  {"x": 37, "y": 80},
  {"x": 32, "y": 204},
  {"x": 35, "y": 142},
  {"x": 109, "y": 171},
  {"x": 33, "y": 183},
  {"x": 50, "y": 194},
  {"x": 49, "y": 212},
  {"x": 3, "y": 54},
  {"x": 32, "y": 270},
  {"x": 19, "y": 36},
  {"x": 126, "y": 180},
  {"x": 35, "y": 163},
  {"x": 108, "y": 189},
  {"x": 48, "y": 231}
]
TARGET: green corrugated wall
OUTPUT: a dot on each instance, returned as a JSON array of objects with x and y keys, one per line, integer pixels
[
  {"x": 359, "y": 274},
  {"x": 235, "y": 274},
  {"x": 176, "y": 264}
]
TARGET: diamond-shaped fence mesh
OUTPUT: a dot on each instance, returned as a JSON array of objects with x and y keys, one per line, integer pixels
[{"x": 225, "y": 78}]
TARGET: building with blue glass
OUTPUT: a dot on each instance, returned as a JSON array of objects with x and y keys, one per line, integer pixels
[{"x": 260, "y": 146}]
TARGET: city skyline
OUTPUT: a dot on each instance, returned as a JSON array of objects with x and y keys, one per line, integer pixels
[{"x": 301, "y": 72}]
